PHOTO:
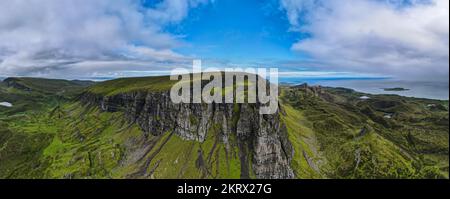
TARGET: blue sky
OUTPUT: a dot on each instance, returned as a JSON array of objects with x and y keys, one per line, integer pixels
[
  {"x": 254, "y": 30},
  {"x": 402, "y": 39}
]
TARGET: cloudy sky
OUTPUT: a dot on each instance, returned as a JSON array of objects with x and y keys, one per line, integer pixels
[{"x": 404, "y": 39}]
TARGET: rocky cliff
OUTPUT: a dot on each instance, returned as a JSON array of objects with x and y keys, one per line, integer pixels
[{"x": 262, "y": 139}]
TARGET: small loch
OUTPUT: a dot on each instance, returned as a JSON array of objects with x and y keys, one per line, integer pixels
[{"x": 6, "y": 104}]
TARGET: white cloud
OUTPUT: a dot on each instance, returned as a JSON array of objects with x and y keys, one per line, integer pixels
[
  {"x": 38, "y": 36},
  {"x": 410, "y": 41}
]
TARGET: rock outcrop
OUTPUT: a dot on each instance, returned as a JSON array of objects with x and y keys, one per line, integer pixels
[{"x": 264, "y": 148}]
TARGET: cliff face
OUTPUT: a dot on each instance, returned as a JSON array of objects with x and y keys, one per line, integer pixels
[{"x": 262, "y": 139}]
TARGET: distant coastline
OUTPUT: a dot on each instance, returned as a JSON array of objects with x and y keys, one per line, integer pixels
[{"x": 426, "y": 90}]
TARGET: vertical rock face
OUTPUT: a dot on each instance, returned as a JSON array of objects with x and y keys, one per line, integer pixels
[{"x": 264, "y": 148}]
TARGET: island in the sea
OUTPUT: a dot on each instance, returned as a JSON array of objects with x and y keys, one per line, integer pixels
[{"x": 396, "y": 89}]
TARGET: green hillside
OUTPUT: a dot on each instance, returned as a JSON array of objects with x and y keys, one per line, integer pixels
[
  {"x": 34, "y": 94},
  {"x": 47, "y": 86},
  {"x": 49, "y": 133},
  {"x": 343, "y": 136},
  {"x": 132, "y": 84}
]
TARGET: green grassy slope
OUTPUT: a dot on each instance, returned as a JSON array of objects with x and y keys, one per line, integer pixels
[
  {"x": 48, "y": 86},
  {"x": 154, "y": 84},
  {"x": 73, "y": 141},
  {"x": 339, "y": 135},
  {"x": 83, "y": 142},
  {"x": 28, "y": 94},
  {"x": 123, "y": 85},
  {"x": 334, "y": 134}
]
